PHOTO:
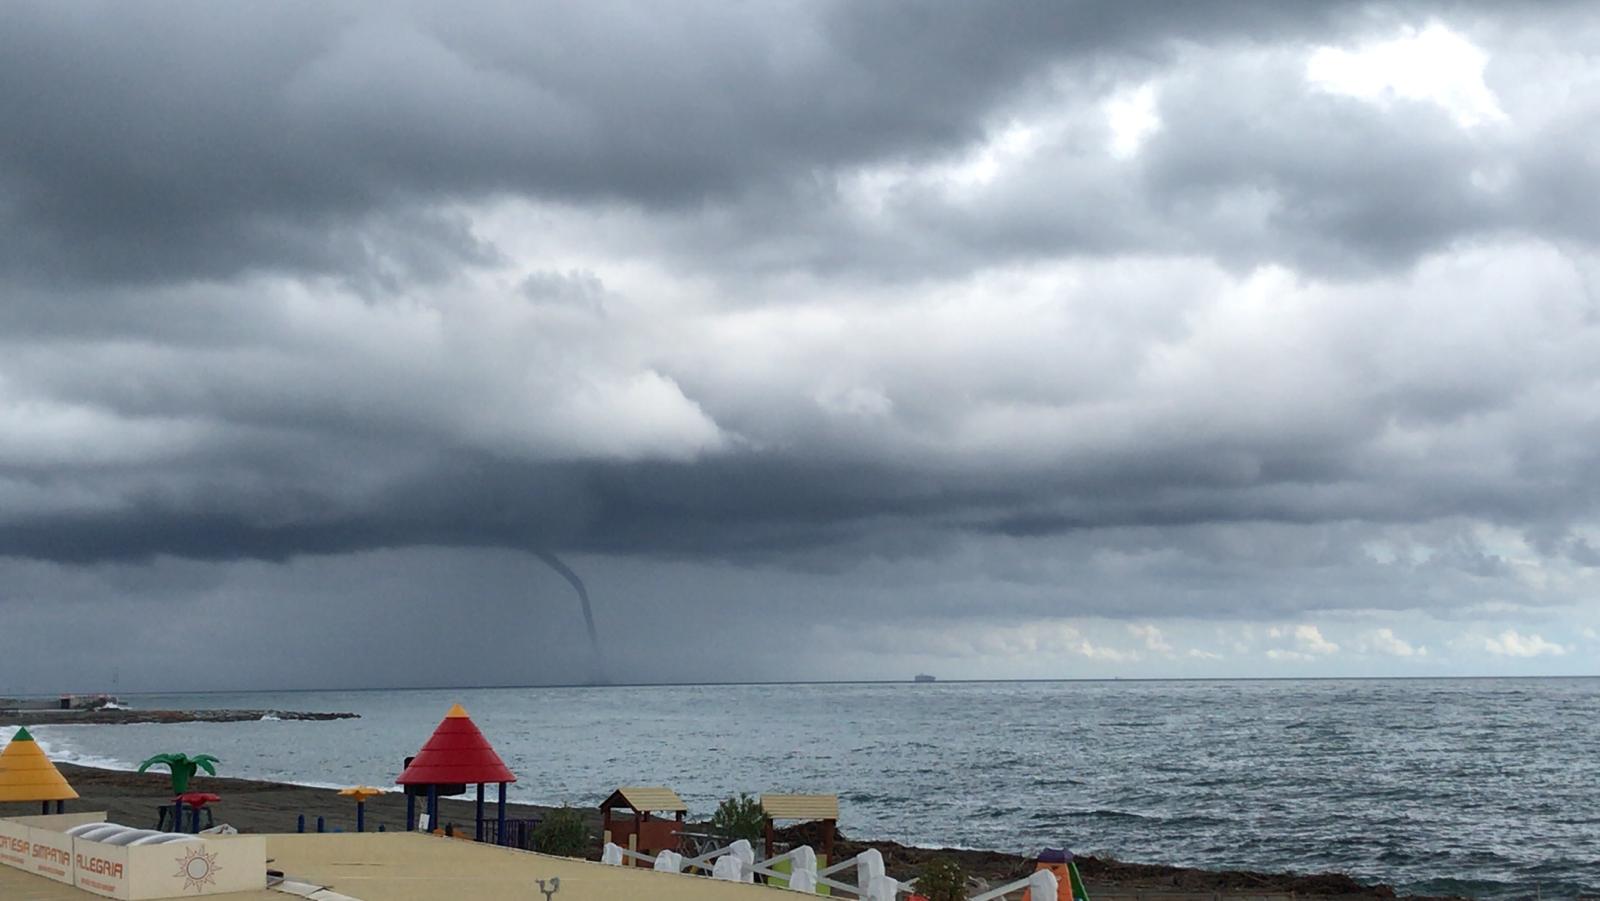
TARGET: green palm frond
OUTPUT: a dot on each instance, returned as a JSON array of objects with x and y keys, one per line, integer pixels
[
  {"x": 204, "y": 762},
  {"x": 159, "y": 760}
]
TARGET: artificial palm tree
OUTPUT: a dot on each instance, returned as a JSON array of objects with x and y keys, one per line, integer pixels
[{"x": 182, "y": 767}]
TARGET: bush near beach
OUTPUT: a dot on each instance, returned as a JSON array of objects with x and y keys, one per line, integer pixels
[
  {"x": 942, "y": 879},
  {"x": 563, "y": 833},
  {"x": 740, "y": 817}
]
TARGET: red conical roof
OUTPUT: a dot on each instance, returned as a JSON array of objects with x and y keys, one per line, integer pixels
[{"x": 457, "y": 753}]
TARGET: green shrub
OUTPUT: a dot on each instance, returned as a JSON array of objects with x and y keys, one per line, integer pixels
[
  {"x": 564, "y": 833},
  {"x": 740, "y": 817},
  {"x": 942, "y": 879}
]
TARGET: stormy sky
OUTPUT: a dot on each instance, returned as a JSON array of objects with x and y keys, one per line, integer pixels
[{"x": 819, "y": 340}]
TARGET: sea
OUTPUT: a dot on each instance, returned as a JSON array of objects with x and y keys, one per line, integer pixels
[{"x": 1482, "y": 787}]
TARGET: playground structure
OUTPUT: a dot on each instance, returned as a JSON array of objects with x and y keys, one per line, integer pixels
[
  {"x": 360, "y": 793},
  {"x": 1059, "y": 862},
  {"x": 26, "y": 774},
  {"x": 819, "y": 808},
  {"x": 643, "y": 832},
  {"x": 455, "y": 756},
  {"x": 182, "y": 769}
]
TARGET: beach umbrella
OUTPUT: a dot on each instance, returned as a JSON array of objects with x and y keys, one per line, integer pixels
[{"x": 361, "y": 793}]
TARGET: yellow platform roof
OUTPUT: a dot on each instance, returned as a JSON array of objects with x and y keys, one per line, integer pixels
[
  {"x": 801, "y": 807},
  {"x": 645, "y": 797},
  {"x": 27, "y": 775}
]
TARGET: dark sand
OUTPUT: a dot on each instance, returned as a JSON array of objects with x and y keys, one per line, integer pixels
[{"x": 251, "y": 806}]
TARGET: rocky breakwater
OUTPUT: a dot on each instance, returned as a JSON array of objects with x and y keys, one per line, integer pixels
[{"x": 112, "y": 716}]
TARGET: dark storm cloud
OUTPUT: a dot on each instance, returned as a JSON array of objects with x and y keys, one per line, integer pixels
[
  {"x": 697, "y": 289},
  {"x": 199, "y": 141}
]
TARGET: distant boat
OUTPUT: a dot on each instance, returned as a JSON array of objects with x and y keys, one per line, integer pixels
[{"x": 923, "y": 677}]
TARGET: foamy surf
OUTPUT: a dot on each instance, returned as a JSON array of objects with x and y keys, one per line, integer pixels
[{"x": 61, "y": 750}]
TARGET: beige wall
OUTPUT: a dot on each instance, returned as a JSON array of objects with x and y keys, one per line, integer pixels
[
  {"x": 61, "y": 822},
  {"x": 210, "y": 866},
  {"x": 399, "y": 866}
]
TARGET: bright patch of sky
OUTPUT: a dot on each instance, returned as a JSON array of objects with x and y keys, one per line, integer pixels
[
  {"x": 1434, "y": 65},
  {"x": 1132, "y": 118}
]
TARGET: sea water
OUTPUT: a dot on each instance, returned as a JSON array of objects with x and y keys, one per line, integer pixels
[{"x": 1482, "y": 787}]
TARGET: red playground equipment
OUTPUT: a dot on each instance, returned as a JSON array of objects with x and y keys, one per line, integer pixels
[{"x": 455, "y": 756}]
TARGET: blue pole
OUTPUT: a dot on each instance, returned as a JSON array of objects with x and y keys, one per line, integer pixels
[
  {"x": 433, "y": 807},
  {"x": 479, "y": 836},
  {"x": 361, "y": 816},
  {"x": 500, "y": 836},
  {"x": 411, "y": 810},
  {"x": 194, "y": 820},
  {"x": 177, "y": 814}
]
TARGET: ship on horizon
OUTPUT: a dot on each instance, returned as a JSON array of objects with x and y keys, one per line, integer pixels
[{"x": 923, "y": 677}]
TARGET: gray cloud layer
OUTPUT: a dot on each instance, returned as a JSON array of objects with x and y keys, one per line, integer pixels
[{"x": 768, "y": 286}]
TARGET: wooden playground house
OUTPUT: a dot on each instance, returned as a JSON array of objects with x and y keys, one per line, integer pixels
[
  {"x": 820, "y": 808},
  {"x": 643, "y": 832}
]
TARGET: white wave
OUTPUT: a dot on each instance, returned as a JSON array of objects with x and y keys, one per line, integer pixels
[
  {"x": 60, "y": 750},
  {"x": 269, "y": 718}
]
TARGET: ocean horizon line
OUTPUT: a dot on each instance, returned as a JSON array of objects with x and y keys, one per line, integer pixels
[{"x": 1079, "y": 680}]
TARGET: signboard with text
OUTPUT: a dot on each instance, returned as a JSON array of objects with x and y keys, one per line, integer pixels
[{"x": 198, "y": 866}]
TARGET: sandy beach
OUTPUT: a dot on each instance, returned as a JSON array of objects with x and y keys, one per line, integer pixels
[{"x": 257, "y": 806}]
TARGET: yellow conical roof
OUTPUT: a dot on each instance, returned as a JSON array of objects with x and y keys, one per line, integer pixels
[{"x": 27, "y": 775}]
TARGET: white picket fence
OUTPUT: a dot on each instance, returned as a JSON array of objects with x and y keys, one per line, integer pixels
[{"x": 737, "y": 863}]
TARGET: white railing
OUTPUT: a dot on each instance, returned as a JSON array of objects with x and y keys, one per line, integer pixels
[
  {"x": 1041, "y": 885},
  {"x": 736, "y": 863}
]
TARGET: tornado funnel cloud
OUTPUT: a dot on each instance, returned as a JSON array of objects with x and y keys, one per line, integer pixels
[{"x": 565, "y": 571}]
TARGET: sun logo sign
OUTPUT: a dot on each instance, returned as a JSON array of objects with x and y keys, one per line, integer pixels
[{"x": 197, "y": 868}]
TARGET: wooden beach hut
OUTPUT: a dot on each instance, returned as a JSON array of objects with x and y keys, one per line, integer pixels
[
  {"x": 643, "y": 832},
  {"x": 820, "y": 808},
  {"x": 455, "y": 756},
  {"x": 26, "y": 774}
]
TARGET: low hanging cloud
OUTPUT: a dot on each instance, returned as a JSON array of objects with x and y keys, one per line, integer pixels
[
  {"x": 1307, "y": 643},
  {"x": 1384, "y": 641},
  {"x": 1512, "y": 643}
]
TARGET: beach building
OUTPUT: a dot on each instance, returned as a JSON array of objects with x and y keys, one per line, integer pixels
[{"x": 26, "y": 774}]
